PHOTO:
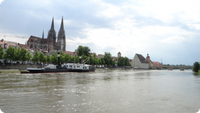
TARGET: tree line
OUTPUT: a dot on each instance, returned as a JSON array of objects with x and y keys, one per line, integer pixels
[{"x": 20, "y": 54}]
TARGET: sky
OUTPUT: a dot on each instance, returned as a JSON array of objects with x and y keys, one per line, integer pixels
[{"x": 167, "y": 30}]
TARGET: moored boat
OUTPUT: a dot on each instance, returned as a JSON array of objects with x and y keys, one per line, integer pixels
[{"x": 67, "y": 67}]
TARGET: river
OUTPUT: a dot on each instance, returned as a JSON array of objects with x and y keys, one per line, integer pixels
[{"x": 109, "y": 91}]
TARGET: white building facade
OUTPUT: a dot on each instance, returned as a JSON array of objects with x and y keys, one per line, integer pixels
[{"x": 139, "y": 62}]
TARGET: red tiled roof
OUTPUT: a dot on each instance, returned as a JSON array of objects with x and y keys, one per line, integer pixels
[
  {"x": 24, "y": 46},
  {"x": 70, "y": 53},
  {"x": 157, "y": 64}
]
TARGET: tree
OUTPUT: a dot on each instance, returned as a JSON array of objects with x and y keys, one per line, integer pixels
[
  {"x": 126, "y": 61},
  {"x": 92, "y": 60},
  {"x": 67, "y": 57},
  {"x": 17, "y": 54},
  {"x": 120, "y": 61},
  {"x": 196, "y": 67},
  {"x": 107, "y": 59},
  {"x": 54, "y": 58},
  {"x": 48, "y": 58},
  {"x": 83, "y": 58},
  {"x": 83, "y": 51},
  {"x": 102, "y": 61},
  {"x": 1, "y": 53},
  {"x": 123, "y": 61},
  {"x": 76, "y": 59},
  {"x": 22, "y": 55},
  {"x": 35, "y": 57},
  {"x": 86, "y": 51},
  {"x": 9, "y": 54},
  {"x": 80, "y": 50},
  {"x": 28, "y": 55},
  {"x": 62, "y": 57},
  {"x": 42, "y": 57}
]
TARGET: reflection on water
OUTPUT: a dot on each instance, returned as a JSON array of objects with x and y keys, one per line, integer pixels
[{"x": 112, "y": 91}]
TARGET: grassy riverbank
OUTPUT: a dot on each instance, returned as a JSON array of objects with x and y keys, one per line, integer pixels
[
  {"x": 197, "y": 73},
  {"x": 9, "y": 71}
]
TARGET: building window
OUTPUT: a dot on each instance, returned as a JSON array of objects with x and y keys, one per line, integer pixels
[
  {"x": 6, "y": 45},
  {"x": 1, "y": 45}
]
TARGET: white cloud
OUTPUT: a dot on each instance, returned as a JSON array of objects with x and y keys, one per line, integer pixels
[
  {"x": 1, "y": 1},
  {"x": 174, "y": 40},
  {"x": 110, "y": 11}
]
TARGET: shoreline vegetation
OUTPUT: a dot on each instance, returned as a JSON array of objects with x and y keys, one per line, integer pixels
[
  {"x": 83, "y": 53},
  {"x": 196, "y": 68}
]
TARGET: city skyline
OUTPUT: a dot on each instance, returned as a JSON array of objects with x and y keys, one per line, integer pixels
[{"x": 166, "y": 30}]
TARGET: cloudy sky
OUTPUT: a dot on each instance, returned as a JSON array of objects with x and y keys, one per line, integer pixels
[{"x": 169, "y": 30}]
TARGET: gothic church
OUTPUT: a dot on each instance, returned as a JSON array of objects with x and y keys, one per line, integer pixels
[{"x": 49, "y": 44}]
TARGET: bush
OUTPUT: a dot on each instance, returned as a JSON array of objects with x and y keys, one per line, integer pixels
[{"x": 196, "y": 67}]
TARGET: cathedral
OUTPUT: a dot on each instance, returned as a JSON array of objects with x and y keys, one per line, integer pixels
[{"x": 49, "y": 44}]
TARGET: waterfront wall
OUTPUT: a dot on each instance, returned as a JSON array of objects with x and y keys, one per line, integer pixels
[{"x": 16, "y": 66}]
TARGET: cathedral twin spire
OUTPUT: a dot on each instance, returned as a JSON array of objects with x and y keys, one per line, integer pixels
[
  {"x": 61, "y": 26},
  {"x": 60, "y": 39}
]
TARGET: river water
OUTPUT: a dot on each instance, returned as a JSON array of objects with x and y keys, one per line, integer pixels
[{"x": 109, "y": 91}]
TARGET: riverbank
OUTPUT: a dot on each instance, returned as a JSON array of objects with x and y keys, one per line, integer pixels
[
  {"x": 197, "y": 73},
  {"x": 9, "y": 71}
]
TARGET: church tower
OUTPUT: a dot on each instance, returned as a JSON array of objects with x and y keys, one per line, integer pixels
[
  {"x": 51, "y": 37},
  {"x": 61, "y": 38}
]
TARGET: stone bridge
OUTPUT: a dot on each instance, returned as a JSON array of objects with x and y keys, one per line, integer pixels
[{"x": 182, "y": 68}]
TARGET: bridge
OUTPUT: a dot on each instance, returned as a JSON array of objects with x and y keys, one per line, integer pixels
[{"x": 182, "y": 68}]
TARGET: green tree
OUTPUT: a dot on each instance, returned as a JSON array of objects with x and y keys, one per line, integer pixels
[
  {"x": 86, "y": 51},
  {"x": 54, "y": 58},
  {"x": 28, "y": 55},
  {"x": 107, "y": 59},
  {"x": 48, "y": 58},
  {"x": 9, "y": 54},
  {"x": 42, "y": 57},
  {"x": 113, "y": 63},
  {"x": 126, "y": 61},
  {"x": 123, "y": 61},
  {"x": 1, "y": 53},
  {"x": 22, "y": 54},
  {"x": 80, "y": 50},
  {"x": 102, "y": 61},
  {"x": 83, "y": 51},
  {"x": 67, "y": 57},
  {"x": 120, "y": 61},
  {"x": 35, "y": 57},
  {"x": 62, "y": 57},
  {"x": 76, "y": 59},
  {"x": 196, "y": 67},
  {"x": 92, "y": 60},
  {"x": 17, "y": 54},
  {"x": 83, "y": 58}
]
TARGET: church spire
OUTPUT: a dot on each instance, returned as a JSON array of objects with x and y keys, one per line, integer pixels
[
  {"x": 52, "y": 25},
  {"x": 43, "y": 35},
  {"x": 62, "y": 25}
]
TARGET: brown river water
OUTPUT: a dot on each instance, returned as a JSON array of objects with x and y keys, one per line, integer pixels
[{"x": 103, "y": 91}]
